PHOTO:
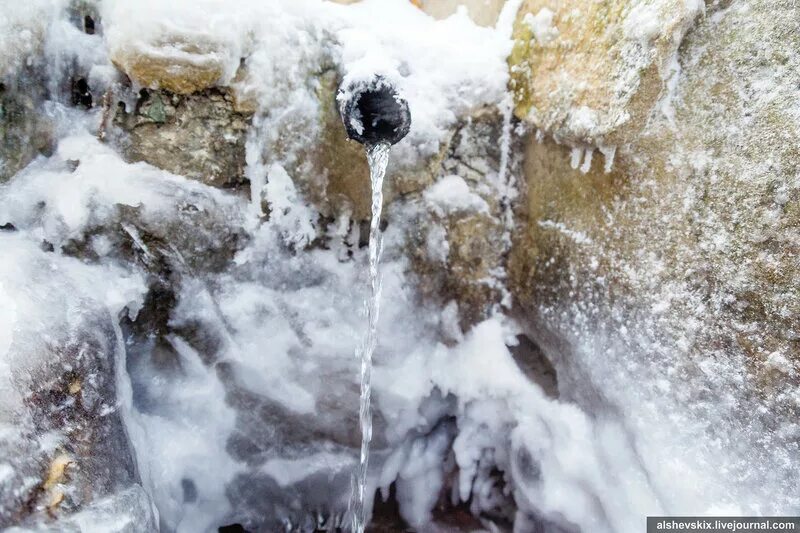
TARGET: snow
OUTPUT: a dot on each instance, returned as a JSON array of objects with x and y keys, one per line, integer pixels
[
  {"x": 284, "y": 43},
  {"x": 288, "y": 472},
  {"x": 263, "y": 383},
  {"x": 452, "y": 194},
  {"x": 25, "y": 27},
  {"x": 288, "y": 212},
  {"x": 541, "y": 25}
]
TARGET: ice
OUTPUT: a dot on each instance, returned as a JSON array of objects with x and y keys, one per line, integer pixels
[
  {"x": 230, "y": 331},
  {"x": 452, "y": 194},
  {"x": 295, "y": 220},
  {"x": 642, "y": 23},
  {"x": 128, "y": 511},
  {"x": 25, "y": 27},
  {"x": 542, "y": 27}
]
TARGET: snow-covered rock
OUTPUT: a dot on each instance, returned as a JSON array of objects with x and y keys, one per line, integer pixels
[
  {"x": 666, "y": 282},
  {"x": 65, "y": 395},
  {"x": 589, "y": 72}
]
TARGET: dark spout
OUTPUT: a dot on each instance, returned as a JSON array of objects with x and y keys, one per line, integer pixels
[{"x": 373, "y": 112}]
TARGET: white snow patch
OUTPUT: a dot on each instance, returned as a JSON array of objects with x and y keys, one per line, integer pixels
[
  {"x": 288, "y": 471},
  {"x": 6, "y": 473},
  {"x": 436, "y": 244},
  {"x": 24, "y": 26},
  {"x": 541, "y": 25},
  {"x": 642, "y": 23},
  {"x": 294, "y": 219},
  {"x": 452, "y": 194}
]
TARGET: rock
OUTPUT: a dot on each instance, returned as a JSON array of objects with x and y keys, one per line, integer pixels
[
  {"x": 679, "y": 262},
  {"x": 200, "y": 136},
  {"x": 332, "y": 171},
  {"x": 590, "y": 72},
  {"x": 459, "y": 240},
  {"x": 198, "y": 69},
  {"x": 184, "y": 57},
  {"x": 127, "y": 511},
  {"x": 63, "y": 444},
  {"x": 482, "y": 12},
  {"x": 24, "y": 131}
]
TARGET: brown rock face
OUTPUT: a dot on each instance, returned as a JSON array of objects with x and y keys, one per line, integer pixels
[
  {"x": 591, "y": 71},
  {"x": 681, "y": 262},
  {"x": 200, "y": 136},
  {"x": 459, "y": 252}
]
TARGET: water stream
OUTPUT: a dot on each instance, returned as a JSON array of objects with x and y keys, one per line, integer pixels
[{"x": 378, "y": 157}]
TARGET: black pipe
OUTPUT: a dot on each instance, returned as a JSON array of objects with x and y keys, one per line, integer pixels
[{"x": 373, "y": 112}]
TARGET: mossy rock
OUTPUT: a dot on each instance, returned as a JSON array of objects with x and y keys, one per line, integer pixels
[{"x": 24, "y": 132}]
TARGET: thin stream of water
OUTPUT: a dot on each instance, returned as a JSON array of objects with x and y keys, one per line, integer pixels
[{"x": 378, "y": 157}]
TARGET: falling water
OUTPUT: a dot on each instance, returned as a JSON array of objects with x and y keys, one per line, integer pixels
[{"x": 378, "y": 157}]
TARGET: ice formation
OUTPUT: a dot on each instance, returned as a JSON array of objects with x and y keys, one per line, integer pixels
[{"x": 228, "y": 335}]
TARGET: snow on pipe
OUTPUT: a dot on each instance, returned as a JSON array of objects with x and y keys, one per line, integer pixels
[{"x": 373, "y": 111}]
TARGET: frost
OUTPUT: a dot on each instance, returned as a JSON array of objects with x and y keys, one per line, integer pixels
[
  {"x": 541, "y": 26},
  {"x": 608, "y": 154},
  {"x": 642, "y": 23},
  {"x": 288, "y": 213},
  {"x": 587, "y": 160},
  {"x": 577, "y": 236},
  {"x": 451, "y": 194},
  {"x": 24, "y": 27},
  {"x": 436, "y": 244},
  {"x": 239, "y": 403}
]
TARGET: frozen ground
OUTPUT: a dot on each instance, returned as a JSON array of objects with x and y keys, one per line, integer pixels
[{"x": 241, "y": 405}]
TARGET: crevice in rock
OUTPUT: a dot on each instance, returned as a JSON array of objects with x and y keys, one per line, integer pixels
[
  {"x": 232, "y": 528},
  {"x": 81, "y": 93},
  {"x": 88, "y": 25},
  {"x": 534, "y": 363}
]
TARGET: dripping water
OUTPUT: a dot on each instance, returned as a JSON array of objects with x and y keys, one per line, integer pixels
[{"x": 378, "y": 157}]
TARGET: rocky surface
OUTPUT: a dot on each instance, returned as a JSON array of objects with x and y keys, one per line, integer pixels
[
  {"x": 200, "y": 136},
  {"x": 591, "y": 71},
  {"x": 64, "y": 443},
  {"x": 460, "y": 237},
  {"x": 24, "y": 130},
  {"x": 189, "y": 60},
  {"x": 682, "y": 249}
]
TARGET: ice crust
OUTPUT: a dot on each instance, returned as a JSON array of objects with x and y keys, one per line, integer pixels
[{"x": 270, "y": 400}]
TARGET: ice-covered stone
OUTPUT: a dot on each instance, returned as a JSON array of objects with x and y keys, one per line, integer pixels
[
  {"x": 590, "y": 72},
  {"x": 675, "y": 270},
  {"x": 64, "y": 443}
]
